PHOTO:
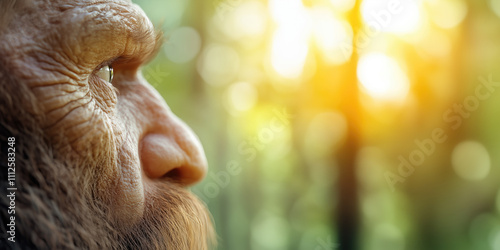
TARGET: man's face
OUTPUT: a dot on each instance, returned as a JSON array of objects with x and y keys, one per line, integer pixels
[{"x": 117, "y": 132}]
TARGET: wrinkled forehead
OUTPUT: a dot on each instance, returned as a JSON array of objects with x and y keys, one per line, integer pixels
[
  {"x": 84, "y": 29},
  {"x": 42, "y": 14},
  {"x": 10, "y": 7},
  {"x": 27, "y": 3},
  {"x": 52, "y": 10}
]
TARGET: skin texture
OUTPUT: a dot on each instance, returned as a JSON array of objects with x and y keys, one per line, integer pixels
[{"x": 102, "y": 165}]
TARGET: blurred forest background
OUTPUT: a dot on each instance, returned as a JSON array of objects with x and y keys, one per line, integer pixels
[{"x": 340, "y": 124}]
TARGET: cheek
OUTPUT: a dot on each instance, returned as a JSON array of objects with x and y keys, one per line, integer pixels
[
  {"x": 125, "y": 193},
  {"x": 127, "y": 197},
  {"x": 76, "y": 126},
  {"x": 80, "y": 124},
  {"x": 76, "y": 114}
]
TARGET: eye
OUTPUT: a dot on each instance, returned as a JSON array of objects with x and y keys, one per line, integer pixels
[{"x": 106, "y": 73}]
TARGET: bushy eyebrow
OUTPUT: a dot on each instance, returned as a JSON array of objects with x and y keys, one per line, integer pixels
[
  {"x": 144, "y": 37},
  {"x": 119, "y": 21}
]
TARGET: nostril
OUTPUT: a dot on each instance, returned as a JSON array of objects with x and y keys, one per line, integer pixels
[
  {"x": 160, "y": 155},
  {"x": 164, "y": 158},
  {"x": 174, "y": 174},
  {"x": 184, "y": 176}
]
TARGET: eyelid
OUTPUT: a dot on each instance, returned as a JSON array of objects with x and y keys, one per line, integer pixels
[{"x": 106, "y": 63}]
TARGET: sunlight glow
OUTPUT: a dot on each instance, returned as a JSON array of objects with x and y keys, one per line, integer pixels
[
  {"x": 333, "y": 36},
  {"x": 343, "y": 5},
  {"x": 248, "y": 20},
  {"x": 455, "y": 13},
  {"x": 381, "y": 77},
  {"x": 393, "y": 16},
  {"x": 289, "y": 52},
  {"x": 290, "y": 40},
  {"x": 287, "y": 12}
]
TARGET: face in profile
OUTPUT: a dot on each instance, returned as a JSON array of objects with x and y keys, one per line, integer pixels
[{"x": 101, "y": 161}]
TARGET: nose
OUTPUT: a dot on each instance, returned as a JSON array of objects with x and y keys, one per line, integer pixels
[{"x": 169, "y": 149}]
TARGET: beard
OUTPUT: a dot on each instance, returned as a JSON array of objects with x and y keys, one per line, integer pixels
[
  {"x": 173, "y": 219},
  {"x": 56, "y": 205}
]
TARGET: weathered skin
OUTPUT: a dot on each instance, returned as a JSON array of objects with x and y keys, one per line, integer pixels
[{"x": 124, "y": 129}]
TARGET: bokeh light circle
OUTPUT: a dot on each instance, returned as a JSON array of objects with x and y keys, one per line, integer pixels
[
  {"x": 241, "y": 96},
  {"x": 399, "y": 17},
  {"x": 471, "y": 161},
  {"x": 382, "y": 78},
  {"x": 219, "y": 64},
  {"x": 183, "y": 45}
]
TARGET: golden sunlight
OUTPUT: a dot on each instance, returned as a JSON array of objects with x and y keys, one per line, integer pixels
[
  {"x": 290, "y": 41},
  {"x": 332, "y": 36},
  {"x": 392, "y": 16},
  {"x": 287, "y": 12},
  {"x": 343, "y": 5},
  {"x": 289, "y": 52},
  {"x": 247, "y": 21},
  {"x": 456, "y": 11},
  {"x": 382, "y": 78}
]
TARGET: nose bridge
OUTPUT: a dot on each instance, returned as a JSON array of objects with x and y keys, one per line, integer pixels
[
  {"x": 161, "y": 120},
  {"x": 168, "y": 147}
]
